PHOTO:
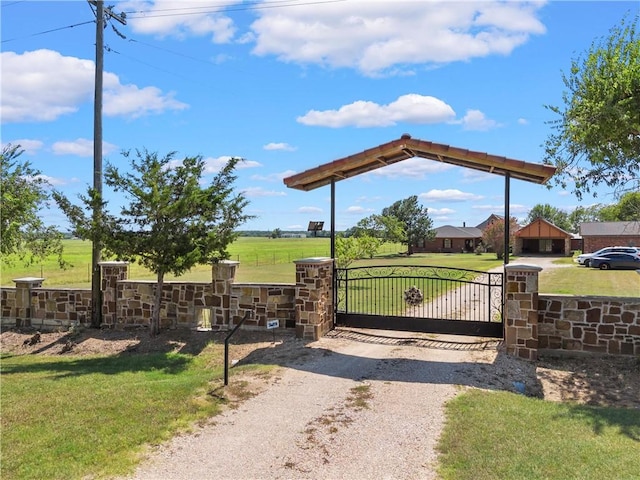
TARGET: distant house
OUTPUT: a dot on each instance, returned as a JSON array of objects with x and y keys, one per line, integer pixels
[
  {"x": 450, "y": 239},
  {"x": 597, "y": 235},
  {"x": 542, "y": 237}
]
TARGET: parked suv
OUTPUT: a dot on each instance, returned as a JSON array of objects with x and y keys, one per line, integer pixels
[{"x": 584, "y": 258}]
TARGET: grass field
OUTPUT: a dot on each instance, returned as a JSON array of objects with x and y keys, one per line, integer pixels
[
  {"x": 271, "y": 260},
  {"x": 75, "y": 417},
  {"x": 491, "y": 435}
]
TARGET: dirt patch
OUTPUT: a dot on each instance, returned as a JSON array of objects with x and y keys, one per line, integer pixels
[{"x": 604, "y": 381}]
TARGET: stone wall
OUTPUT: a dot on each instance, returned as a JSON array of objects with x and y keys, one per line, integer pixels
[
  {"x": 219, "y": 304},
  {"x": 562, "y": 323},
  {"x": 266, "y": 302},
  {"x": 608, "y": 325},
  {"x": 47, "y": 309}
]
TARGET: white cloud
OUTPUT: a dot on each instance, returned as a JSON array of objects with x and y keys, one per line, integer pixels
[
  {"x": 261, "y": 192},
  {"x": 440, "y": 211},
  {"x": 523, "y": 121},
  {"x": 392, "y": 37},
  {"x": 279, "y": 146},
  {"x": 214, "y": 165},
  {"x": 476, "y": 120},
  {"x": 470, "y": 175},
  {"x": 43, "y": 85},
  {"x": 180, "y": 18},
  {"x": 415, "y": 167},
  {"x": 365, "y": 199},
  {"x": 132, "y": 101},
  {"x": 449, "y": 195},
  {"x": 294, "y": 227},
  {"x": 29, "y": 146},
  {"x": 309, "y": 210},
  {"x": 358, "y": 210},
  {"x": 80, "y": 147},
  {"x": 56, "y": 182},
  {"x": 499, "y": 208},
  {"x": 411, "y": 108},
  {"x": 273, "y": 177}
]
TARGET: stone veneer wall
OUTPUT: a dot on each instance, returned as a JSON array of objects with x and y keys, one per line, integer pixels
[
  {"x": 46, "y": 309},
  {"x": 562, "y": 323},
  {"x": 266, "y": 302},
  {"x": 314, "y": 297},
  {"x": 589, "y": 324},
  {"x": 521, "y": 311},
  {"x": 218, "y": 304}
]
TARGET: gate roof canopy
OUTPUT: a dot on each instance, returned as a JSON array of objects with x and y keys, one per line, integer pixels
[{"x": 406, "y": 147}]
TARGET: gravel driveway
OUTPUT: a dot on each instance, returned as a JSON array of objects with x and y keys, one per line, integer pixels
[{"x": 358, "y": 405}]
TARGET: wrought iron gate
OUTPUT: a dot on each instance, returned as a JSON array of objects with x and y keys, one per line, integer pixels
[{"x": 420, "y": 299}]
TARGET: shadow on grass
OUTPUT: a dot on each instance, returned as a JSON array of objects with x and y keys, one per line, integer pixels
[
  {"x": 626, "y": 420},
  {"x": 111, "y": 352},
  {"x": 170, "y": 363}
]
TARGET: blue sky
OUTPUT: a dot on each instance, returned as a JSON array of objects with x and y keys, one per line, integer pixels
[{"x": 288, "y": 85}]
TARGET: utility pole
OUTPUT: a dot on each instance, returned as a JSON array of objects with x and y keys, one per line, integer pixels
[{"x": 96, "y": 255}]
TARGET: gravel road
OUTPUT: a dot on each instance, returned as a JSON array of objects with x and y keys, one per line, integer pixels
[{"x": 359, "y": 406}]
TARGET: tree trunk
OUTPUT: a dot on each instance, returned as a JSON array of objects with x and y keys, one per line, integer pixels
[{"x": 154, "y": 326}]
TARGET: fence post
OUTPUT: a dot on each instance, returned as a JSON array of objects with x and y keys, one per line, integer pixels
[
  {"x": 111, "y": 273},
  {"x": 314, "y": 297},
  {"x": 24, "y": 308},
  {"x": 521, "y": 310},
  {"x": 223, "y": 275}
]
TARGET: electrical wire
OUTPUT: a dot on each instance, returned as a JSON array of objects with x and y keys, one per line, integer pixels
[
  {"x": 280, "y": 4},
  {"x": 48, "y": 31}
]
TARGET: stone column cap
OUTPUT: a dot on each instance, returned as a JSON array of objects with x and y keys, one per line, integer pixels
[
  {"x": 527, "y": 267},
  {"x": 314, "y": 260},
  {"x": 226, "y": 262},
  {"x": 28, "y": 280}
]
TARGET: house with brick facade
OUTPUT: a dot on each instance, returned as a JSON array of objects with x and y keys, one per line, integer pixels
[
  {"x": 597, "y": 235},
  {"x": 451, "y": 239}
]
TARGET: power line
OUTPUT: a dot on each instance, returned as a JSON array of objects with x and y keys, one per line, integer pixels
[
  {"x": 278, "y": 4},
  {"x": 48, "y": 31},
  {"x": 13, "y": 3}
]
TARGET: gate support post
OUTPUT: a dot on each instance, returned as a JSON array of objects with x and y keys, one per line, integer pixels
[
  {"x": 521, "y": 310},
  {"x": 314, "y": 297}
]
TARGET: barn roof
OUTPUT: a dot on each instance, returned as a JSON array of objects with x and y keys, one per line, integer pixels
[{"x": 406, "y": 147}]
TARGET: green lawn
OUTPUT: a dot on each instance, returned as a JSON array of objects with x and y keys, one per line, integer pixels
[
  {"x": 501, "y": 435},
  {"x": 90, "y": 417},
  {"x": 271, "y": 260}
]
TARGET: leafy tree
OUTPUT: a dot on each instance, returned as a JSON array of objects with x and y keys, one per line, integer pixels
[
  {"x": 493, "y": 236},
  {"x": 627, "y": 209},
  {"x": 597, "y": 137},
  {"x": 552, "y": 214},
  {"x": 385, "y": 228},
  {"x": 276, "y": 233},
  {"x": 584, "y": 214},
  {"x": 172, "y": 222},
  {"x": 23, "y": 191},
  {"x": 349, "y": 249},
  {"x": 415, "y": 221}
]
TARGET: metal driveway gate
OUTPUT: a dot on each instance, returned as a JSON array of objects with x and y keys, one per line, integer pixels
[{"x": 420, "y": 299}]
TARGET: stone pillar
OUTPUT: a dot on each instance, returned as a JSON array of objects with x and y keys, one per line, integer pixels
[
  {"x": 314, "y": 297},
  {"x": 110, "y": 274},
  {"x": 223, "y": 275},
  {"x": 521, "y": 305},
  {"x": 24, "y": 310}
]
